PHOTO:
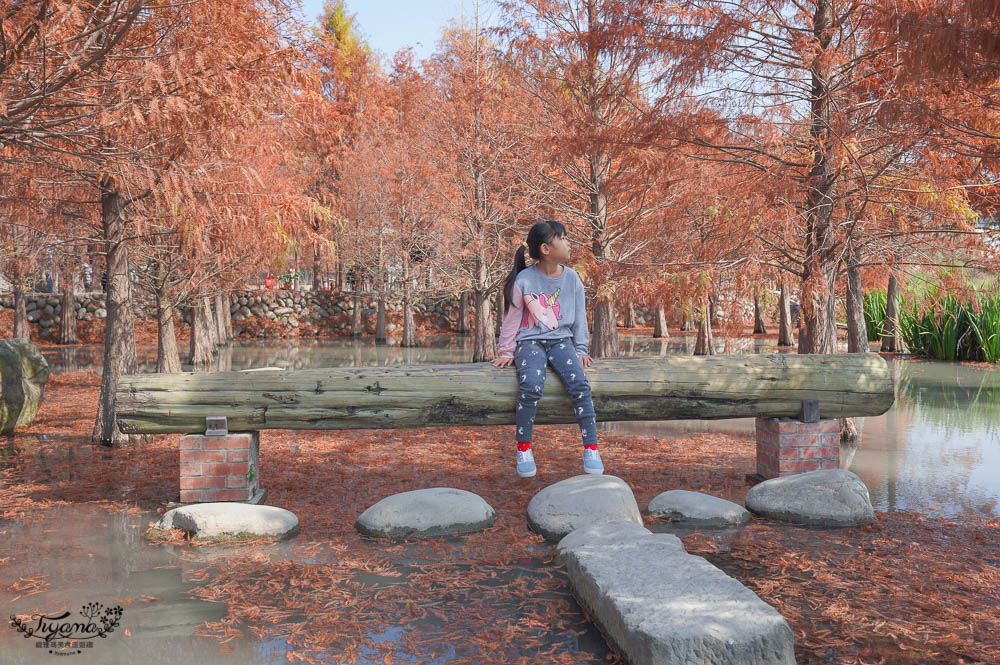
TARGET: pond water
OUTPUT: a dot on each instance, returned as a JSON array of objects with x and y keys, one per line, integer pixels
[{"x": 937, "y": 451}]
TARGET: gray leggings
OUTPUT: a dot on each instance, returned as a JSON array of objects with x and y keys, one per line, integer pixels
[{"x": 530, "y": 359}]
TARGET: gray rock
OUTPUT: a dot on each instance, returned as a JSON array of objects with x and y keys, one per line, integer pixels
[
  {"x": 53, "y": 301},
  {"x": 657, "y": 604},
  {"x": 245, "y": 311},
  {"x": 605, "y": 532},
  {"x": 23, "y": 375},
  {"x": 831, "y": 497},
  {"x": 34, "y": 315},
  {"x": 46, "y": 323},
  {"x": 49, "y": 309},
  {"x": 230, "y": 519},
  {"x": 698, "y": 509},
  {"x": 257, "y": 310},
  {"x": 281, "y": 311},
  {"x": 271, "y": 315},
  {"x": 238, "y": 316},
  {"x": 30, "y": 305},
  {"x": 426, "y": 513},
  {"x": 100, "y": 312},
  {"x": 91, "y": 307},
  {"x": 580, "y": 501}
]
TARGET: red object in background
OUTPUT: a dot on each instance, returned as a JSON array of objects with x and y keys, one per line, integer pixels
[{"x": 269, "y": 282}]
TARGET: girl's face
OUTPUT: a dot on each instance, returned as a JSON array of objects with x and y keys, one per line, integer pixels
[{"x": 558, "y": 249}]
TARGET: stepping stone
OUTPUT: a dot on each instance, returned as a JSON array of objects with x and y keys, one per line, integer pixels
[
  {"x": 831, "y": 497},
  {"x": 698, "y": 509},
  {"x": 426, "y": 513},
  {"x": 599, "y": 534},
  {"x": 656, "y": 604},
  {"x": 580, "y": 501},
  {"x": 223, "y": 520}
]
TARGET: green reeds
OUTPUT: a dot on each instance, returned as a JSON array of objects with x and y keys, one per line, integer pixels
[
  {"x": 945, "y": 328},
  {"x": 873, "y": 304}
]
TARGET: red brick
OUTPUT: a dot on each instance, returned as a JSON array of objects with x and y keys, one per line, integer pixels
[
  {"x": 230, "y": 441},
  {"x": 202, "y": 482},
  {"x": 191, "y": 496},
  {"x": 817, "y": 453},
  {"x": 191, "y": 469},
  {"x": 829, "y": 464},
  {"x": 237, "y": 480},
  {"x": 191, "y": 442},
  {"x": 189, "y": 457},
  {"x": 227, "y": 495},
  {"x": 831, "y": 439},
  {"x": 798, "y": 466},
  {"x": 234, "y": 455},
  {"x": 789, "y": 452},
  {"x": 799, "y": 440},
  {"x": 833, "y": 452},
  {"x": 223, "y": 469}
]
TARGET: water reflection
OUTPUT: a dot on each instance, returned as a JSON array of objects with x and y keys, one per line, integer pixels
[{"x": 937, "y": 449}]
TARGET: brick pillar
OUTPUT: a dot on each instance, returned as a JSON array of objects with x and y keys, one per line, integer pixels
[
  {"x": 215, "y": 468},
  {"x": 786, "y": 446}
]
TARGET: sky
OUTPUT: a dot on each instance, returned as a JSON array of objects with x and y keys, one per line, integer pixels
[{"x": 389, "y": 25}]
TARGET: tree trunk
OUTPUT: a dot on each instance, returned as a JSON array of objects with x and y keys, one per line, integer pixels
[
  {"x": 820, "y": 267},
  {"x": 785, "y": 336},
  {"x": 660, "y": 321},
  {"x": 357, "y": 322},
  {"x": 316, "y": 279},
  {"x": 891, "y": 338},
  {"x": 221, "y": 315},
  {"x": 211, "y": 321},
  {"x": 857, "y": 330},
  {"x": 228, "y": 318},
  {"x": 67, "y": 318},
  {"x": 630, "y": 316},
  {"x": 119, "y": 324},
  {"x": 21, "y": 329},
  {"x": 604, "y": 341},
  {"x": 674, "y": 387},
  {"x": 168, "y": 358},
  {"x": 703, "y": 345},
  {"x": 759, "y": 328},
  {"x": 498, "y": 306},
  {"x": 713, "y": 309},
  {"x": 380, "y": 336},
  {"x": 463, "y": 313},
  {"x": 409, "y": 327},
  {"x": 484, "y": 343},
  {"x": 202, "y": 348}
]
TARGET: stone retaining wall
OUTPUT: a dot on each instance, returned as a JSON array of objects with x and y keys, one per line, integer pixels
[{"x": 273, "y": 313}]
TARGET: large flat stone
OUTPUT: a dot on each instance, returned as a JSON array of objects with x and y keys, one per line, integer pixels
[
  {"x": 580, "y": 501},
  {"x": 427, "y": 513},
  {"x": 658, "y": 605},
  {"x": 832, "y": 497},
  {"x": 698, "y": 509},
  {"x": 229, "y": 519},
  {"x": 603, "y": 533}
]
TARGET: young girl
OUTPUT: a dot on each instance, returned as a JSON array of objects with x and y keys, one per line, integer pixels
[{"x": 545, "y": 312}]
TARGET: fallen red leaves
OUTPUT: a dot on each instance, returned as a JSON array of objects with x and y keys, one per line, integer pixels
[{"x": 906, "y": 589}]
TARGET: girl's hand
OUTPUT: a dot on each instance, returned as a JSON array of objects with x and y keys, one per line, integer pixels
[
  {"x": 502, "y": 362},
  {"x": 586, "y": 360}
]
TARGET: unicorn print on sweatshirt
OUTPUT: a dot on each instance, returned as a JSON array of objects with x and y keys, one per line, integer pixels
[{"x": 541, "y": 308}]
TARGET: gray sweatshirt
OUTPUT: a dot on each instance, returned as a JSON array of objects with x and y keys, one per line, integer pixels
[{"x": 544, "y": 307}]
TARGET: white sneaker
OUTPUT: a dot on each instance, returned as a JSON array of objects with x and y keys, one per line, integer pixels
[
  {"x": 525, "y": 463},
  {"x": 592, "y": 461}
]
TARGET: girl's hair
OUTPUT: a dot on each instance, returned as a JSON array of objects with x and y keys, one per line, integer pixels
[{"x": 541, "y": 232}]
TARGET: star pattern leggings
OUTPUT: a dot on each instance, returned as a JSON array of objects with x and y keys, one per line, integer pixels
[{"x": 530, "y": 359}]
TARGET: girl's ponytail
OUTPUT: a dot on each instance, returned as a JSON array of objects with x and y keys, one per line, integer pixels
[
  {"x": 508, "y": 286},
  {"x": 539, "y": 233}
]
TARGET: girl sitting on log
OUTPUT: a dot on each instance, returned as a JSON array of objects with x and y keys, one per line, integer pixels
[{"x": 545, "y": 322}]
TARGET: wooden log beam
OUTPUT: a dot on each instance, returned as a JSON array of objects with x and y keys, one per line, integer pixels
[{"x": 403, "y": 396}]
